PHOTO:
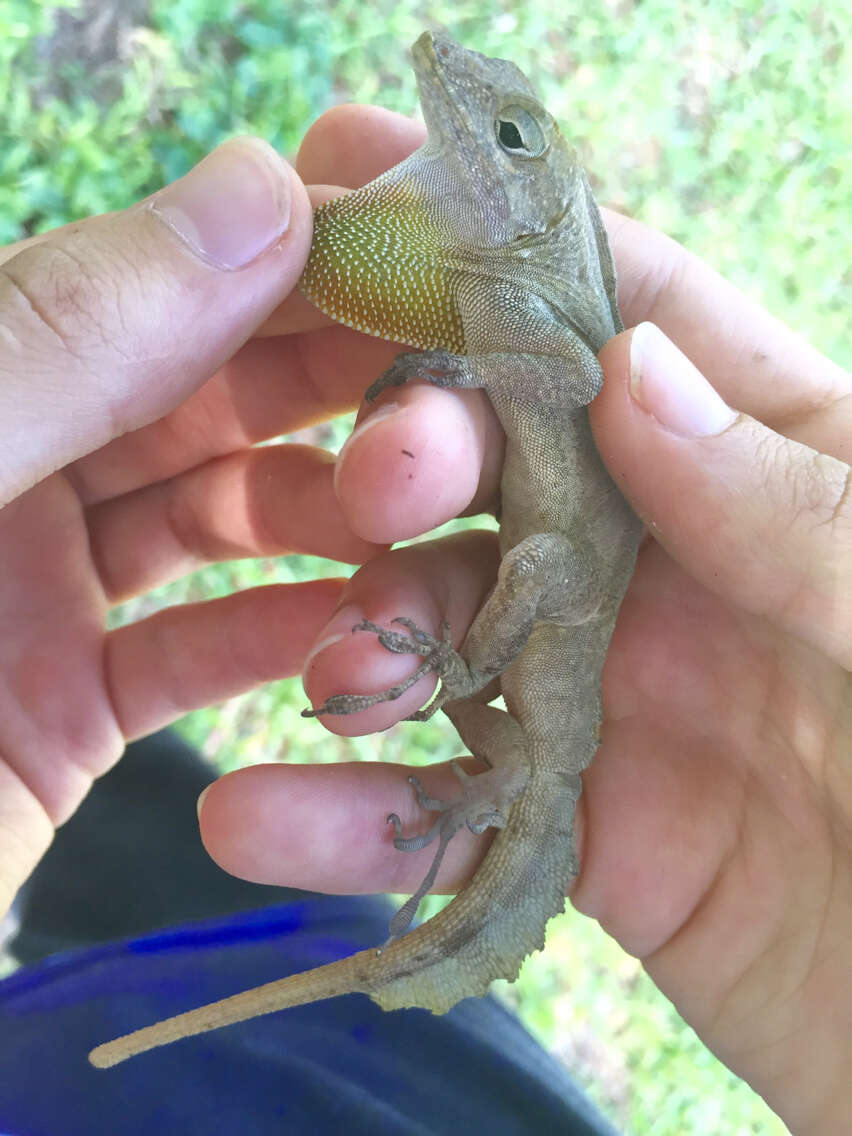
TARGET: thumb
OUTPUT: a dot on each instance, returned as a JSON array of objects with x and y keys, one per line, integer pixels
[
  {"x": 759, "y": 519},
  {"x": 108, "y": 324}
]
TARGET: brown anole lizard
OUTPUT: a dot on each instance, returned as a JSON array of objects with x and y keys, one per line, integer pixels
[{"x": 484, "y": 251}]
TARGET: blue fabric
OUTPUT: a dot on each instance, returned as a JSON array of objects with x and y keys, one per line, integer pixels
[{"x": 341, "y": 1066}]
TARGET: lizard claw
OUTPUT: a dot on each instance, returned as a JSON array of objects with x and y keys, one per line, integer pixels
[
  {"x": 434, "y": 652},
  {"x": 430, "y": 804}
]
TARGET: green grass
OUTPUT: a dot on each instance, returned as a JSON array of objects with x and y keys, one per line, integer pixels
[{"x": 723, "y": 123}]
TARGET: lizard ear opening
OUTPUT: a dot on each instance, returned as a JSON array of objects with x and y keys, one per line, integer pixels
[{"x": 519, "y": 134}]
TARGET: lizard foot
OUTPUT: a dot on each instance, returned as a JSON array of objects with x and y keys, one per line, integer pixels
[
  {"x": 483, "y": 803},
  {"x": 441, "y": 368},
  {"x": 438, "y": 655}
]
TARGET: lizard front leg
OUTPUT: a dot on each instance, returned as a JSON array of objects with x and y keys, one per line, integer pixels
[
  {"x": 540, "y": 378},
  {"x": 535, "y": 356},
  {"x": 545, "y": 576}
]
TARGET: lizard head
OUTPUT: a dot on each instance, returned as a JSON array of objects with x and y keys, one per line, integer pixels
[
  {"x": 495, "y": 192},
  {"x": 512, "y": 173}
]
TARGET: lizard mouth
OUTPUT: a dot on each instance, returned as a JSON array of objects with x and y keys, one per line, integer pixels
[
  {"x": 438, "y": 63},
  {"x": 430, "y": 55},
  {"x": 426, "y": 49}
]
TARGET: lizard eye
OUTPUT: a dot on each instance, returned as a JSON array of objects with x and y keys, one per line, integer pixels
[{"x": 519, "y": 134}]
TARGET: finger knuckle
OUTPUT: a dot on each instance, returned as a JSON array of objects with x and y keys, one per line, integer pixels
[
  {"x": 838, "y": 507},
  {"x": 74, "y": 294},
  {"x": 810, "y": 527},
  {"x": 822, "y": 496},
  {"x": 810, "y": 483}
]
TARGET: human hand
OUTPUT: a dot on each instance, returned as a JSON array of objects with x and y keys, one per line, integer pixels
[
  {"x": 110, "y": 331},
  {"x": 717, "y": 814}
]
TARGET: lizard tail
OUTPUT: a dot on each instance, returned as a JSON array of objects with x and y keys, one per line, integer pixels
[
  {"x": 483, "y": 934},
  {"x": 347, "y": 976}
]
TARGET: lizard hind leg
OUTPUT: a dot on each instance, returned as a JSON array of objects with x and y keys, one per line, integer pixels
[
  {"x": 454, "y": 814},
  {"x": 483, "y": 802}
]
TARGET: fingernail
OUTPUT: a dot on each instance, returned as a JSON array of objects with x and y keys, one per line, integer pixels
[
  {"x": 200, "y": 802},
  {"x": 339, "y": 627},
  {"x": 386, "y": 410},
  {"x": 668, "y": 386},
  {"x": 232, "y": 206}
]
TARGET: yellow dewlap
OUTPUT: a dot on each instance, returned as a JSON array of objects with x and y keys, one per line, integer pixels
[{"x": 378, "y": 264}]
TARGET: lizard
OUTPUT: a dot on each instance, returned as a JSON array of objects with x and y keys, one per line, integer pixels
[{"x": 485, "y": 255}]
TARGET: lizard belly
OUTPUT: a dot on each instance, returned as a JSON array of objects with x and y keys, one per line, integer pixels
[{"x": 552, "y": 476}]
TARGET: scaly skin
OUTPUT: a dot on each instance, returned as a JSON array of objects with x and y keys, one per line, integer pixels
[{"x": 485, "y": 250}]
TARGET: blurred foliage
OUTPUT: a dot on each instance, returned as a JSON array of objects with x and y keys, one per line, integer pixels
[{"x": 724, "y": 122}]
